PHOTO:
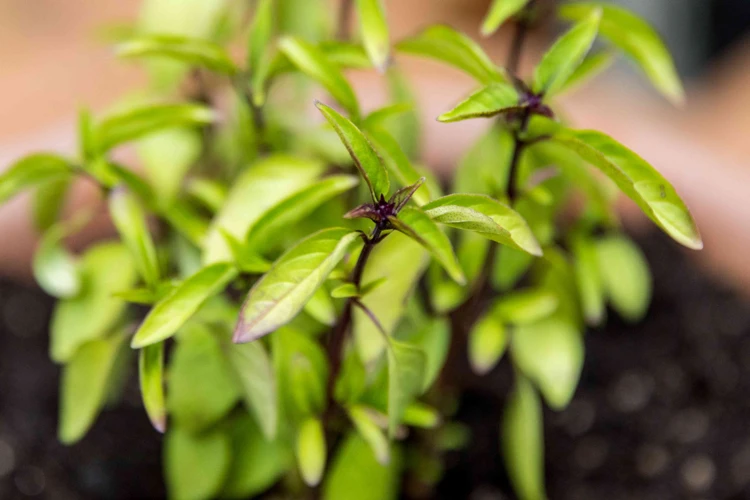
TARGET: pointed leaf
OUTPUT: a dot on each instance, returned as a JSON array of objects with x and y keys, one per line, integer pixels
[
  {"x": 456, "y": 49},
  {"x": 345, "y": 291},
  {"x": 374, "y": 31},
  {"x": 489, "y": 101},
  {"x": 130, "y": 221},
  {"x": 406, "y": 373},
  {"x": 260, "y": 54},
  {"x": 55, "y": 268},
  {"x": 401, "y": 197},
  {"x": 363, "y": 421},
  {"x": 588, "y": 278},
  {"x": 379, "y": 117},
  {"x": 638, "y": 180},
  {"x": 193, "y": 51},
  {"x": 488, "y": 340},
  {"x": 522, "y": 307},
  {"x": 84, "y": 385},
  {"x": 638, "y": 40},
  {"x": 500, "y": 11},
  {"x": 151, "y": 376},
  {"x": 311, "y": 451},
  {"x": 487, "y": 216},
  {"x": 368, "y": 162},
  {"x": 422, "y": 416},
  {"x": 566, "y": 55},
  {"x": 195, "y": 464},
  {"x": 522, "y": 440},
  {"x": 32, "y": 170},
  {"x": 365, "y": 211},
  {"x": 417, "y": 225},
  {"x": 279, "y": 296},
  {"x": 592, "y": 66},
  {"x": 49, "y": 201},
  {"x": 397, "y": 163},
  {"x": 625, "y": 275},
  {"x": 311, "y": 61},
  {"x": 182, "y": 302}
]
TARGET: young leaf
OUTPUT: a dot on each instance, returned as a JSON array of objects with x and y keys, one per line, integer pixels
[
  {"x": 278, "y": 296},
  {"x": 638, "y": 180},
  {"x": 245, "y": 258},
  {"x": 522, "y": 440},
  {"x": 202, "y": 390},
  {"x": 130, "y": 221},
  {"x": 397, "y": 163},
  {"x": 456, "y": 49},
  {"x": 374, "y": 31},
  {"x": 566, "y": 55},
  {"x": 434, "y": 340},
  {"x": 193, "y": 51},
  {"x": 151, "y": 376},
  {"x": 487, "y": 216},
  {"x": 84, "y": 385},
  {"x": 501, "y": 11},
  {"x": 167, "y": 157},
  {"x": 296, "y": 207},
  {"x": 550, "y": 352},
  {"x": 625, "y": 277},
  {"x": 321, "y": 307},
  {"x": 301, "y": 373},
  {"x": 181, "y": 303},
  {"x": 363, "y": 421},
  {"x": 368, "y": 162},
  {"x": 311, "y": 451},
  {"x": 252, "y": 367},
  {"x": 259, "y": 53},
  {"x": 588, "y": 278},
  {"x": 32, "y": 170},
  {"x": 49, "y": 201},
  {"x": 55, "y": 269},
  {"x": 406, "y": 374},
  {"x": 195, "y": 464},
  {"x": 522, "y": 307},
  {"x": 592, "y": 66},
  {"x": 311, "y": 61},
  {"x": 492, "y": 100},
  {"x": 104, "y": 269},
  {"x": 420, "y": 415},
  {"x": 638, "y": 40},
  {"x": 401, "y": 197},
  {"x": 141, "y": 121},
  {"x": 345, "y": 291},
  {"x": 488, "y": 340},
  {"x": 355, "y": 473},
  {"x": 378, "y": 118},
  {"x": 417, "y": 225}
]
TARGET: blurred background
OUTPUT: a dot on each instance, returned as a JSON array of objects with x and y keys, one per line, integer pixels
[{"x": 663, "y": 407}]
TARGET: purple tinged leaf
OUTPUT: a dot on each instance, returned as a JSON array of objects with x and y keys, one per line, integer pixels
[
  {"x": 368, "y": 210},
  {"x": 401, "y": 197}
]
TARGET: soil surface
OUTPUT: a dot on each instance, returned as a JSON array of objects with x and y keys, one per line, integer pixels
[{"x": 662, "y": 411}]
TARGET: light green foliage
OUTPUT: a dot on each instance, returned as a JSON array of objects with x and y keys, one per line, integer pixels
[
  {"x": 55, "y": 268},
  {"x": 151, "y": 376},
  {"x": 196, "y": 464},
  {"x": 301, "y": 372},
  {"x": 397, "y": 163},
  {"x": 130, "y": 221},
  {"x": 259, "y": 50},
  {"x": 592, "y": 66},
  {"x": 311, "y": 451},
  {"x": 49, "y": 201},
  {"x": 625, "y": 276},
  {"x": 501, "y": 11},
  {"x": 525, "y": 306},
  {"x": 374, "y": 31},
  {"x": 363, "y": 419},
  {"x": 30, "y": 171},
  {"x": 488, "y": 340},
  {"x": 589, "y": 278},
  {"x": 406, "y": 374},
  {"x": 638, "y": 40},
  {"x": 492, "y": 100},
  {"x": 195, "y": 52}
]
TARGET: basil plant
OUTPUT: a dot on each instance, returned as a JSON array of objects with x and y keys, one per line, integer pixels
[{"x": 292, "y": 281}]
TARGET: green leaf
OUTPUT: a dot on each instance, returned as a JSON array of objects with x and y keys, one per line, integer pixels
[
  {"x": 625, "y": 277},
  {"x": 522, "y": 307},
  {"x": 562, "y": 59},
  {"x": 49, "y": 201},
  {"x": 193, "y": 51},
  {"x": 311, "y": 451},
  {"x": 434, "y": 340},
  {"x": 397, "y": 163},
  {"x": 638, "y": 180},
  {"x": 55, "y": 269},
  {"x": 592, "y": 66},
  {"x": 500, "y": 11},
  {"x": 301, "y": 373},
  {"x": 492, "y": 100},
  {"x": 374, "y": 31},
  {"x": 321, "y": 307},
  {"x": 151, "y": 376},
  {"x": 311, "y": 61},
  {"x": 144, "y": 120},
  {"x": 201, "y": 388},
  {"x": 256, "y": 463},
  {"x": 488, "y": 340},
  {"x": 406, "y": 375},
  {"x": 550, "y": 353},
  {"x": 259, "y": 53},
  {"x": 253, "y": 369},
  {"x": 638, "y": 40},
  {"x": 365, "y": 158},
  {"x": 296, "y": 207},
  {"x": 487, "y": 216},
  {"x": 420, "y": 415},
  {"x": 182, "y": 302},
  {"x": 256, "y": 191},
  {"x": 417, "y": 225},
  {"x": 380, "y": 116},
  {"x": 104, "y": 269},
  {"x": 84, "y": 386},
  {"x": 355, "y": 473},
  {"x": 33, "y": 170},
  {"x": 455, "y": 49},
  {"x": 345, "y": 291},
  {"x": 167, "y": 157},
  {"x": 588, "y": 278},
  {"x": 195, "y": 464},
  {"x": 130, "y": 221},
  {"x": 363, "y": 420},
  {"x": 279, "y": 295},
  {"x": 522, "y": 440}
]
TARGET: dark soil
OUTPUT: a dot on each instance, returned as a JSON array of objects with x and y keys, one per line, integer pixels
[{"x": 662, "y": 411}]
